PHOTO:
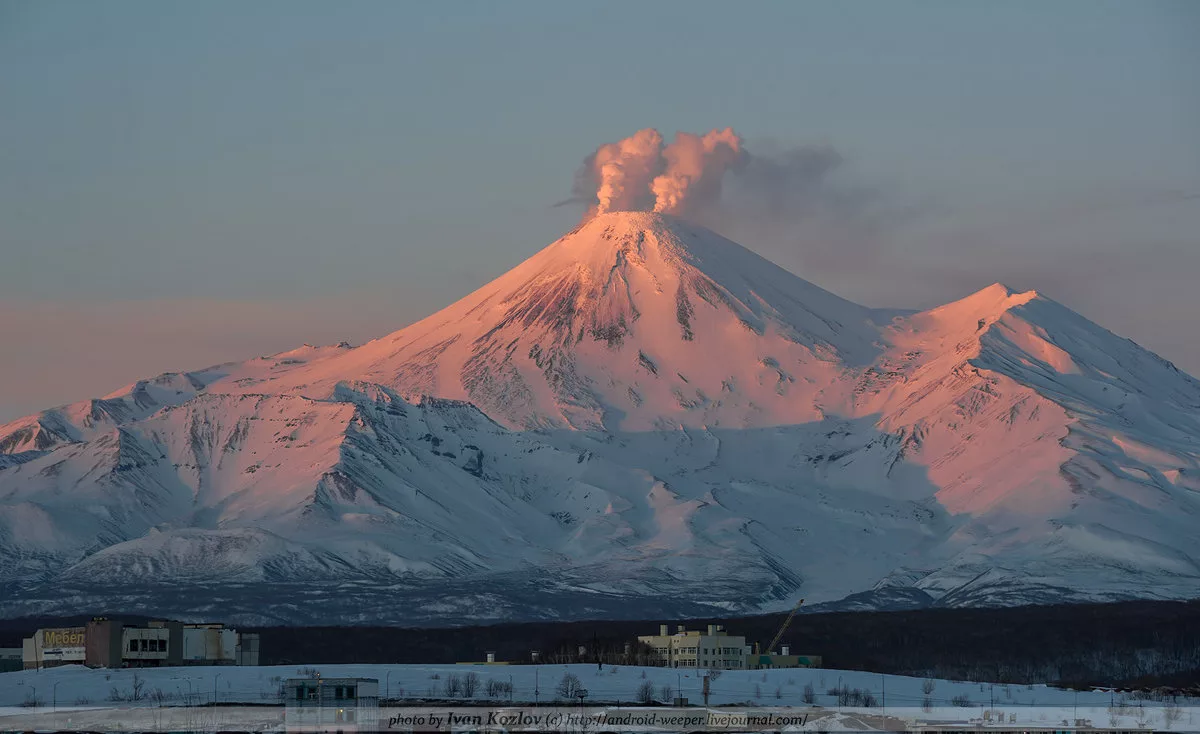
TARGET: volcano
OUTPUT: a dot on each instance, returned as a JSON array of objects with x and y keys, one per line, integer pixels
[{"x": 642, "y": 419}]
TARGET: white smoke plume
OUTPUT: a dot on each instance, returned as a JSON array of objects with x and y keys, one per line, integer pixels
[
  {"x": 803, "y": 205},
  {"x": 776, "y": 196},
  {"x": 695, "y": 167},
  {"x": 644, "y": 173},
  {"x": 624, "y": 169}
]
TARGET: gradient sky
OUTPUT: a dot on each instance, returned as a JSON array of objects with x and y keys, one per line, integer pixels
[{"x": 188, "y": 183}]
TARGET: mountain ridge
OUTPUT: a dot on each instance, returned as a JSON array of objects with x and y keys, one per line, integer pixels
[{"x": 641, "y": 405}]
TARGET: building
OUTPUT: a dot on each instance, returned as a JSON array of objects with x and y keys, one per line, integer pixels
[
  {"x": 106, "y": 643},
  {"x": 246, "y": 652},
  {"x": 781, "y": 659},
  {"x": 10, "y": 659},
  {"x": 715, "y": 648},
  {"x": 336, "y": 705},
  {"x": 155, "y": 645},
  {"x": 52, "y": 647}
]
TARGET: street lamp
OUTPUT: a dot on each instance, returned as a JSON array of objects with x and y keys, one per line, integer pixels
[
  {"x": 191, "y": 692},
  {"x": 54, "y": 696},
  {"x": 387, "y": 685},
  {"x": 215, "y": 696}
]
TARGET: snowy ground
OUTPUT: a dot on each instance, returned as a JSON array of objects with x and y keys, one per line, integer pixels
[{"x": 77, "y": 686}]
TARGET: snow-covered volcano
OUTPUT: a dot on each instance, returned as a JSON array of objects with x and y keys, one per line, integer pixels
[{"x": 642, "y": 418}]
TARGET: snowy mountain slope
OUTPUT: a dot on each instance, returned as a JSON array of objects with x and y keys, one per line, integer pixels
[
  {"x": 632, "y": 321},
  {"x": 641, "y": 411},
  {"x": 90, "y": 418}
]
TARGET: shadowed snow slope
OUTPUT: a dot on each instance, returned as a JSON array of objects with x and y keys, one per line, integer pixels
[{"x": 642, "y": 411}]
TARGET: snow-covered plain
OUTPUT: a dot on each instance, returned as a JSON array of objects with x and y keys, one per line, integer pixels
[
  {"x": 643, "y": 419},
  {"x": 899, "y": 696}
]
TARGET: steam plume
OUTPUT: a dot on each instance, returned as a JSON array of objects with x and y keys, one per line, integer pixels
[
  {"x": 624, "y": 169},
  {"x": 695, "y": 167},
  {"x": 643, "y": 172},
  {"x": 775, "y": 196}
]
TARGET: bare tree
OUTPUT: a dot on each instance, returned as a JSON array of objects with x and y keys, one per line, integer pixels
[
  {"x": 645, "y": 692},
  {"x": 810, "y": 695},
  {"x": 1172, "y": 714},
  {"x": 568, "y": 687},
  {"x": 454, "y": 686},
  {"x": 470, "y": 685},
  {"x": 667, "y": 693},
  {"x": 927, "y": 686}
]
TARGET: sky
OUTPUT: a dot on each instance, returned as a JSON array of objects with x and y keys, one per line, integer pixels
[{"x": 183, "y": 184}]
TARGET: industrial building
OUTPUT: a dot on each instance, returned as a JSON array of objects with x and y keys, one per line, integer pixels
[
  {"x": 716, "y": 649},
  {"x": 106, "y": 643},
  {"x": 10, "y": 659},
  {"x": 781, "y": 659},
  {"x": 340, "y": 705}
]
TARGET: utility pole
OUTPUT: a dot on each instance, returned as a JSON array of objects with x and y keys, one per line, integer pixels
[
  {"x": 535, "y": 687},
  {"x": 883, "y": 692}
]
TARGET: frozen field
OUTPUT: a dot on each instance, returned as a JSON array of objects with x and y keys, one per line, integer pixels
[{"x": 908, "y": 698}]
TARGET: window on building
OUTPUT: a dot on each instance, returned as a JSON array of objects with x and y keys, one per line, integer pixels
[
  {"x": 145, "y": 645},
  {"x": 299, "y": 693},
  {"x": 133, "y": 646}
]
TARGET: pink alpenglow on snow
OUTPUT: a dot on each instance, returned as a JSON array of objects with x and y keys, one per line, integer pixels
[{"x": 635, "y": 410}]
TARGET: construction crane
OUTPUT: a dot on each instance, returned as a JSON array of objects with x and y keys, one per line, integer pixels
[{"x": 783, "y": 628}]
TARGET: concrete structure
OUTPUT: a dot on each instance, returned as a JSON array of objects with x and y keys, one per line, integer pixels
[
  {"x": 106, "y": 643},
  {"x": 331, "y": 705},
  {"x": 156, "y": 644},
  {"x": 210, "y": 644},
  {"x": 715, "y": 648},
  {"x": 246, "y": 652}
]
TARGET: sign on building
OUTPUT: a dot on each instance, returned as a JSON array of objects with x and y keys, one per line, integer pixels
[{"x": 64, "y": 641}]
